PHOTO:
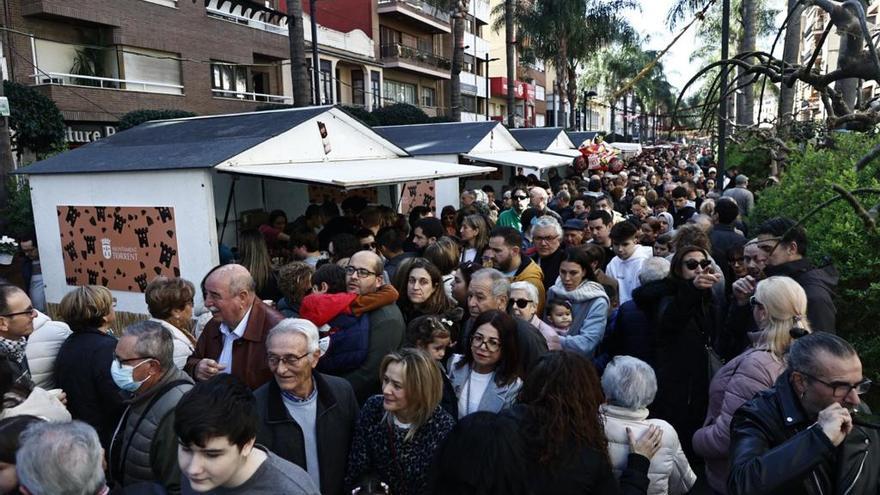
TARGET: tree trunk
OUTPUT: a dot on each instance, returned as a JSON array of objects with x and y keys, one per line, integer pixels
[
  {"x": 459, "y": 20},
  {"x": 790, "y": 54},
  {"x": 850, "y": 46},
  {"x": 625, "y": 115},
  {"x": 745, "y": 97},
  {"x": 510, "y": 46},
  {"x": 299, "y": 74},
  {"x": 613, "y": 125},
  {"x": 572, "y": 95}
]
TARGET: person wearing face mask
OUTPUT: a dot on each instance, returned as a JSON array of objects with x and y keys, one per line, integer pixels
[
  {"x": 170, "y": 302},
  {"x": 144, "y": 445},
  {"x": 511, "y": 217}
]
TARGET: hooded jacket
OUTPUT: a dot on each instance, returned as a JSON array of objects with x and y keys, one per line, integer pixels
[
  {"x": 819, "y": 285},
  {"x": 589, "y": 313},
  {"x": 42, "y": 347}
]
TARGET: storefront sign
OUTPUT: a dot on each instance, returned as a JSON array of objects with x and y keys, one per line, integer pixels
[
  {"x": 119, "y": 247},
  {"x": 86, "y": 133}
]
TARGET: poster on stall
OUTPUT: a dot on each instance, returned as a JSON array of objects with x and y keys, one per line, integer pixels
[
  {"x": 418, "y": 193},
  {"x": 119, "y": 247}
]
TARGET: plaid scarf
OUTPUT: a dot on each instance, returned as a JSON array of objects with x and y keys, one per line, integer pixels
[{"x": 14, "y": 350}]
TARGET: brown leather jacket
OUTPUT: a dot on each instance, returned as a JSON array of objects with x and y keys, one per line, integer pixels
[{"x": 248, "y": 352}]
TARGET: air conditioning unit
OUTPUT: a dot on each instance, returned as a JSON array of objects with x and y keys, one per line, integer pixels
[{"x": 51, "y": 80}]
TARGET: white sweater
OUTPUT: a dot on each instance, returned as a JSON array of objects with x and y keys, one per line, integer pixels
[
  {"x": 626, "y": 272},
  {"x": 42, "y": 348}
]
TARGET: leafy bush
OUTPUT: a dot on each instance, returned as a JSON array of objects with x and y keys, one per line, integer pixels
[
  {"x": 138, "y": 117},
  {"x": 835, "y": 232},
  {"x": 361, "y": 114},
  {"x": 18, "y": 215},
  {"x": 439, "y": 119},
  {"x": 400, "y": 114},
  {"x": 749, "y": 159},
  {"x": 37, "y": 122}
]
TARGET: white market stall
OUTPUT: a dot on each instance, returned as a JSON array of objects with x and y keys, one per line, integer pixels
[
  {"x": 486, "y": 142},
  {"x": 152, "y": 200},
  {"x": 549, "y": 140}
]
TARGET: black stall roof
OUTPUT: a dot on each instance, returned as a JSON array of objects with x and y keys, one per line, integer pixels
[
  {"x": 437, "y": 139},
  {"x": 578, "y": 138},
  {"x": 536, "y": 138},
  {"x": 191, "y": 143}
]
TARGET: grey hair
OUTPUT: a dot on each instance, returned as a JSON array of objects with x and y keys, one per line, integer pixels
[
  {"x": 629, "y": 383},
  {"x": 563, "y": 196},
  {"x": 530, "y": 289},
  {"x": 153, "y": 340},
  {"x": 500, "y": 283},
  {"x": 804, "y": 354},
  {"x": 653, "y": 269},
  {"x": 60, "y": 459},
  {"x": 547, "y": 221},
  {"x": 296, "y": 326}
]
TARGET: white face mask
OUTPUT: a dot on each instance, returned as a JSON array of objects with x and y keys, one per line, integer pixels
[{"x": 123, "y": 375}]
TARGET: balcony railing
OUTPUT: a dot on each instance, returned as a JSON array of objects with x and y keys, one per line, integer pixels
[
  {"x": 245, "y": 95},
  {"x": 415, "y": 55},
  {"x": 105, "y": 82},
  {"x": 419, "y": 7},
  {"x": 257, "y": 20}
]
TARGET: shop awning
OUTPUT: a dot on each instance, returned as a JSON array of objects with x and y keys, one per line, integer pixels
[
  {"x": 538, "y": 161},
  {"x": 563, "y": 152},
  {"x": 354, "y": 174}
]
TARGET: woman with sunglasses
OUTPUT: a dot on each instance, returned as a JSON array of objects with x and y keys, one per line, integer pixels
[
  {"x": 487, "y": 376},
  {"x": 524, "y": 306},
  {"x": 589, "y": 302},
  {"x": 779, "y": 307}
]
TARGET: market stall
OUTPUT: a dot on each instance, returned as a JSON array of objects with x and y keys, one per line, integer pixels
[
  {"x": 550, "y": 140},
  {"x": 160, "y": 198}
]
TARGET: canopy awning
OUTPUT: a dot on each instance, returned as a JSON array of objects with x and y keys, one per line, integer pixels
[
  {"x": 563, "y": 152},
  {"x": 354, "y": 174},
  {"x": 538, "y": 161},
  {"x": 628, "y": 149}
]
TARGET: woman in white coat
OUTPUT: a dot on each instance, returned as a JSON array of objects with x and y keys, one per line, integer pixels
[
  {"x": 170, "y": 302},
  {"x": 630, "y": 385}
]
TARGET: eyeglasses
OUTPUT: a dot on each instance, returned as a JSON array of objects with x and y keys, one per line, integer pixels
[
  {"x": 29, "y": 311},
  {"x": 288, "y": 360},
  {"x": 520, "y": 198},
  {"x": 142, "y": 358},
  {"x": 369, "y": 245},
  {"x": 692, "y": 264},
  {"x": 842, "y": 389},
  {"x": 492, "y": 345},
  {"x": 361, "y": 272},
  {"x": 521, "y": 303},
  {"x": 545, "y": 239}
]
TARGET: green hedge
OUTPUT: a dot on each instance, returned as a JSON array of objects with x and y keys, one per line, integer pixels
[{"x": 836, "y": 233}]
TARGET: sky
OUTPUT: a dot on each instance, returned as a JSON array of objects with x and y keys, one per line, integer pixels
[{"x": 651, "y": 21}]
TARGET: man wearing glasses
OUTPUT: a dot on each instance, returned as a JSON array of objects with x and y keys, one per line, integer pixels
[
  {"x": 803, "y": 435},
  {"x": 511, "y": 216},
  {"x": 363, "y": 275},
  {"x": 301, "y": 409},
  {"x": 786, "y": 247},
  {"x": 16, "y": 323}
]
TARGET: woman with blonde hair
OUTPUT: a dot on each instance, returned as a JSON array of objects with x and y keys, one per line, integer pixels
[
  {"x": 170, "y": 302},
  {"x": 474, "y": 238},
  {"x": 82, "y": 368},
  {"x": 399, "y": 432},
  {"x": 779, "y": 307}
]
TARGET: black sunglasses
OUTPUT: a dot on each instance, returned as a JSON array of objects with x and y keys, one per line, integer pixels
[
  {"x": 520, "y": 198},
  {"x": 520, "y": 303},
  {"x": 693, "y": 264}
]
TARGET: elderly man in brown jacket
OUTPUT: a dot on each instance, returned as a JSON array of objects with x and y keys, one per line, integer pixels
[{"x": 235, "y": 344}]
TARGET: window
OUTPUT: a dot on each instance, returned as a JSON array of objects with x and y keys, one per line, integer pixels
[
  {"x": 358, "y": 96},
  {"x": 469, "y": 103},
  {"x": 469, "y": 64},
  {"x": 326, "y": 83},
  {"x": 400, "y": 92},
  {"x": 429, "y": 97},
  {"x": 152, "y": 66},
  {"x": 376, "y": 88},
  {"x": 228, "y": 81}
]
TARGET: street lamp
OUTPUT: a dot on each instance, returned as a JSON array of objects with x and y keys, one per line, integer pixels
[
  {"x": 486, "y": 76},
  {"x": 588, "y": 97}
]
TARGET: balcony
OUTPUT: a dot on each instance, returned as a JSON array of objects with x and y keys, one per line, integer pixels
[
  {"x": 399, "y": 56},
  {"x": 64, "y": 79},
  {"x": 248, "y": 96},
  {"x": 254, "y": 16},
  {"x": 430, "y": 18}
]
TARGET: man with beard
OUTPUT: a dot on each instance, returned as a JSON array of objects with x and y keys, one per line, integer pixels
[{"x": 505, "y": 253}]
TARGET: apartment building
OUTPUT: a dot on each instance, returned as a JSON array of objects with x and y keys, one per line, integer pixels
[{"x": 100, "y": 59}]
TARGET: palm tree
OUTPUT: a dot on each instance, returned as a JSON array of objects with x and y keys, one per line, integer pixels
[
  {"x": 745, "y": 97},
  {"x": 510, "y": 9},
  {"x": 790, "y": 54},
  {"x": 459, "y": 11},
  {"x": 299, "y": 75}
]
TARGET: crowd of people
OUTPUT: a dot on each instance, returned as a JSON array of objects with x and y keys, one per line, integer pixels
[{"x": 599, "y": 333}]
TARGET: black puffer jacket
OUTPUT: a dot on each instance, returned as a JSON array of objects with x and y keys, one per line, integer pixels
[
  {"x": 819, "y": 284},
  {"x": 776, "y": 449}
]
